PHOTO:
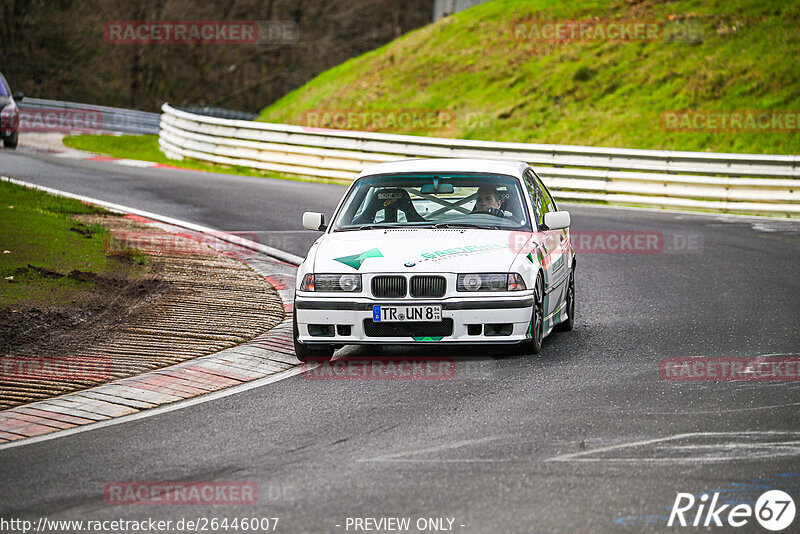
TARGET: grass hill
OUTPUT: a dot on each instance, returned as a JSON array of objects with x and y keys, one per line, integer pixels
[{"x": 498, "y": 74}]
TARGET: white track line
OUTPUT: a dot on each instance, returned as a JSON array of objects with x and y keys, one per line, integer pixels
[
  {"x": 586, "y": 456},
  {"x": 772, "y": 218}
]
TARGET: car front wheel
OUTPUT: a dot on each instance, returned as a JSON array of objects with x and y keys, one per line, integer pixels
[
  {"x": 536, "y": 329},
  {"x": 11, "y": 141}
]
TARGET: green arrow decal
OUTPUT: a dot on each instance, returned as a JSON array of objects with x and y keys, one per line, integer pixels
[{"x": 356, "y": 260}]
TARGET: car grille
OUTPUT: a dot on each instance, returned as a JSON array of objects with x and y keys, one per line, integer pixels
[
  {"x": 428, "y": 286},
  {"x": 389, "y": 286},
  {"x": 441, "y": 328}
]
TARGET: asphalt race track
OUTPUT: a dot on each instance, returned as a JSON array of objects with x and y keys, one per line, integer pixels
[{"x": 586, "y": 437}]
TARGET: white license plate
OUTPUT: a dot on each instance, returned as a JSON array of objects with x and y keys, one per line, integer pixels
[{"x": 405, "y": 314}]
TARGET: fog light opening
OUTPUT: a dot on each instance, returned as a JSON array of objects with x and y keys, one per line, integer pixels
[
  {"x": 320, "y": 330},
  {"x": 344, "y": 329},
  {"x": 501, "y": 329}
]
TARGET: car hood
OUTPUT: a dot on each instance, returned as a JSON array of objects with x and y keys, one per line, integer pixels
[{"x": 415, "y": 250}]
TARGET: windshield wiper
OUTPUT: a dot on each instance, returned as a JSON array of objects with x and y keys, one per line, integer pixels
[
  {"x": 455, "y": 225},
  {"x": 412, "y": 226},
  {"x": 370, "y": 227},
  {"x": 466, "y": 225}
]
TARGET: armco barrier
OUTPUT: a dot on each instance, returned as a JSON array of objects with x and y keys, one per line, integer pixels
[
  {"x": 741, "y": 183},
  {"x": 41, "y": 114}
]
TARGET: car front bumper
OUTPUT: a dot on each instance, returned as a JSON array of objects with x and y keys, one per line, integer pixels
[{"x": 502, "y": 320}]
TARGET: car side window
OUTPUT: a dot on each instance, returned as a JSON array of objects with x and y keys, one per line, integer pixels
[
  {"x": 547, "y": 201},
  {"x": 535, "y": 192}
]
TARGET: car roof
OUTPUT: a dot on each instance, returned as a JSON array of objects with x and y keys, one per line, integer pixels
[{"x": 446, "y": 165}]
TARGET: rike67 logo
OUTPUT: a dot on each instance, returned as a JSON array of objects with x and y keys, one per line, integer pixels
[{"x": 774, "y": 510}]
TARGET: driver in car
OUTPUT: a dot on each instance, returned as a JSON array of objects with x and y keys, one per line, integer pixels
[{"x": 488, "y": 200}]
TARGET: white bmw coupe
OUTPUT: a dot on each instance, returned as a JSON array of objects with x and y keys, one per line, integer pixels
[{"x": 437, "y": 251}]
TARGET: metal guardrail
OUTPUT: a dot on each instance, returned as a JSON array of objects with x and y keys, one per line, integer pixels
[
  {"x": 742, "y": 183},
  {"x": 442, "y": 8},
  {"x": 37, "y": 114},
  {"x": 220, "y": 113}
]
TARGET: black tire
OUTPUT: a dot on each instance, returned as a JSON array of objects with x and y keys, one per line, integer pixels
[
  {"x": 534, "y": 344},
  {"x": 11, "y": 142},
  {"x": 304, "y": 353},
  {"x": 569, "y": 324}
]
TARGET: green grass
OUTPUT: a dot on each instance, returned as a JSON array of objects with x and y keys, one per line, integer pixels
[
  {"x": 145, "y": 148},
  {"x": 142, "y": 147},
  {"x": 582, "y": 92},
  {"x": 39, "y": 241}
]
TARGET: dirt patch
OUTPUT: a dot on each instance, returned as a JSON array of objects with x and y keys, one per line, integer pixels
[
  {"x": 59, "y": 330},
  {"x": 83, "y": 230}
]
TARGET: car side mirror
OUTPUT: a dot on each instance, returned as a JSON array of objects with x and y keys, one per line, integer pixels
[
  {"x": 19, "y": 96},
  {"x": 314, "y": 221},
  {"x": 556, "y": 220}
]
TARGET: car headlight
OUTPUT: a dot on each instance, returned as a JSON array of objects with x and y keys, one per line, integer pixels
[
  {"x": 490, "y": 282},
  {"x": 350, "y": 283}
]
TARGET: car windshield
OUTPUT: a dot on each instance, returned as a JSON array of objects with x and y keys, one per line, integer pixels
[{"x": 473, "y": 200}]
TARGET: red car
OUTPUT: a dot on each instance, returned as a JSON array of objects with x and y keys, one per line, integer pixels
[{"x": 9, "y": 115}]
